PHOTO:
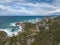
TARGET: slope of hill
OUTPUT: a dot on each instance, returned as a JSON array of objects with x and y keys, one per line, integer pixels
[{"x": 44, "y": 32}]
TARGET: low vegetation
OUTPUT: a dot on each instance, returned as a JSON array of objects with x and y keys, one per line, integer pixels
[{"x": 30, "y": 36}]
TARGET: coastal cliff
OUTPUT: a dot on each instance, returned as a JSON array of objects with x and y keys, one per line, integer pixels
[{"x": 45, "y": 32}]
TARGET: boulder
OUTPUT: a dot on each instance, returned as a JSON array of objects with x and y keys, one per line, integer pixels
[{"x": 18, "y": 23}]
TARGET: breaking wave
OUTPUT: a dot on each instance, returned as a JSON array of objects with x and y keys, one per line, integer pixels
[
  {"x": 13, "y": 29},
  {"x": 33, "y": 20}
]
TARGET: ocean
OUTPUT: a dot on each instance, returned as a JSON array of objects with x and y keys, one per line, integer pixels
[{"x": 7, "y": 23}]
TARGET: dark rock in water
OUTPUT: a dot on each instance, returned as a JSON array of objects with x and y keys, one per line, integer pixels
[
  {"x": 21, "y": 24},
  {"x": 18, "y": 23}
]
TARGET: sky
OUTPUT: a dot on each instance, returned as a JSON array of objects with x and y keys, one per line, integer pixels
[{"x": 29, "y": 7}]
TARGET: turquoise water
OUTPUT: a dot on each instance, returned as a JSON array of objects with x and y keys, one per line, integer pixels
[{"x": 8, "y": 22}]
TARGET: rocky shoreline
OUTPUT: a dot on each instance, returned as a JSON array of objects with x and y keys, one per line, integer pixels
[{"x": 39, "y": 33}]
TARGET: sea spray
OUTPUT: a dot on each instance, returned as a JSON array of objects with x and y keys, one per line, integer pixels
[
  {"x": 10, "y": 31},
  {"x": 7, "y": 23},
  {"x": 33, "y": 20},
  {"x": 12, "y": 24}
]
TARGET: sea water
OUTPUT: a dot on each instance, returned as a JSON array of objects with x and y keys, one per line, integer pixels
[{"x": 7, "y": 23}]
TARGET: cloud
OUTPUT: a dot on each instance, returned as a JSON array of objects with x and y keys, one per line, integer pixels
[
  {"x": 23, "y": 7},
  {"x": 56, "y": 3},
  {"x": 55, "y": 11},
  {"x": 29, "y": 9}
]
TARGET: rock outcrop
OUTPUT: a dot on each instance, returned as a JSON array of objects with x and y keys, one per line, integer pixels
[{"x": 20, "y": 24}]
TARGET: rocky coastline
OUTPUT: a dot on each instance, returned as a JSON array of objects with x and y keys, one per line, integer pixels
[{"x": 40, "y": 33}]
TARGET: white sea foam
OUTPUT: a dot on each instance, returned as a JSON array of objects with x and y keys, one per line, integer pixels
[
  {"x": 33, "y": 20},
  {"x": 12, "y": 24},
  {"x": 10, "y": 33}
]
